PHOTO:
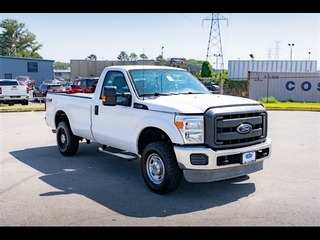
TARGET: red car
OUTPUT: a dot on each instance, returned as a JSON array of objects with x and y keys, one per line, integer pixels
[
  {"x": 28, "y": 80},
  {"x": 84, "y": 85},
  {"x": 41, "y": 91}
]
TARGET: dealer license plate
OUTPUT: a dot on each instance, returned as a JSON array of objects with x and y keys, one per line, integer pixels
[{"x": 248, "y": 157}]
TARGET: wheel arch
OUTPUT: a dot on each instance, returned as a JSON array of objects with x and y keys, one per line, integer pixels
[
  {"x": 59, "y": 117},
  {"x": 151, "y": 134}
]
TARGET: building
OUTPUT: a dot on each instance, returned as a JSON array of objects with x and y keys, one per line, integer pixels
[
  {"x": 292, "y": 80},
  {"x": 88, "y": 68},
  {"x": 238, "y": 69},
  {"x": 38, "y": 69},
  {"x": 284, "y": 86},
  {"x": 62, "y": 73}
]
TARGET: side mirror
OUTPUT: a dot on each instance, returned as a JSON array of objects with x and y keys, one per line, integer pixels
[{"x": 109, "y": 95}]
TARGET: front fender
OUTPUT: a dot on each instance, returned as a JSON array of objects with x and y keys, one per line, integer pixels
[{"x": 166, "y": 124}]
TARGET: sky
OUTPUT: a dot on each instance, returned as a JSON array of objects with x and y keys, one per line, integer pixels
[{"x": 74, "y": 36}]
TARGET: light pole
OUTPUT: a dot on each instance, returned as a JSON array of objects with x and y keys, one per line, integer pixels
[
  {"x": 291, "y": 46},
  {"x": 309, "y": 55},
  {"x": 162, "y": 52}
]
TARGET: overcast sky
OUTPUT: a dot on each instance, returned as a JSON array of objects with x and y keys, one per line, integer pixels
[{"x": 68, "y": 36}]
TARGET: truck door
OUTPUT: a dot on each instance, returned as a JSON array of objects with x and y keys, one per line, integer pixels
[{"x": 111, "y": 125}]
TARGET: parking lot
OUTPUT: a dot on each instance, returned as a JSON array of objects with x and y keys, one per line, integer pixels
[{"x": 40, "y": 187}]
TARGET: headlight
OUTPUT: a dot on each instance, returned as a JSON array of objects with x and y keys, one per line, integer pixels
[{"x": 191, "y": 128}]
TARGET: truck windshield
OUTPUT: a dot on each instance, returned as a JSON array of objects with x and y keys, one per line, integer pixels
[{"x": 165, "y": 82}]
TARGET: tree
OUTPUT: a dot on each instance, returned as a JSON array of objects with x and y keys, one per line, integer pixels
[
  {"x": 133, "y": 57},
  {"x": 193, "y": 66},
  {"x": 17, "y": 41},
  {"x": 123, "y": 56},
  {"x": 206, "y": 69},
  {"x": 161, "y": 60},
  {"x": 61, "y": 65},
  {"x": 143, "y": 56},
  {"x": 92, "y": 57}
]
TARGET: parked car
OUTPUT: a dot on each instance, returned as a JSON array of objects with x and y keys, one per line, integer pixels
[
  {"x": 85, "y": 85},
  {"x": 51, "y": 81},
  {"x": 212, "y": 86},
  {"x": 41, "y": 91},
  {"x": 65, "y": 83},
  {"x": 28, "y": 80}
]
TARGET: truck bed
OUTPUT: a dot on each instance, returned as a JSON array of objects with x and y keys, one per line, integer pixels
[{"x": 78, "y": 107}]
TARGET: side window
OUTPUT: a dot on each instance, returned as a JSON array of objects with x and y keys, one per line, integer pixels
[{"x": 115, "y": 78}]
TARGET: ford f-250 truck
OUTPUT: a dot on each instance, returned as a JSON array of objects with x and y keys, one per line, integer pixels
[{"x": 169, "y": 120}]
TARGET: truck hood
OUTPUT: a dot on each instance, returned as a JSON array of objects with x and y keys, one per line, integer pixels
[{"x": 195, "y": 103}]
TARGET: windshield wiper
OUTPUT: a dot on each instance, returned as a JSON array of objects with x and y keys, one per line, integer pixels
[
  {"x": 192, "y": 93},
  {"x": 157, "y": 94}
]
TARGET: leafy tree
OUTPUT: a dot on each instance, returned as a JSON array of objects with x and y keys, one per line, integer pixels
[
  {"x": 193, "y": 66},
  {"x": 133, "y": 57},
  {"x": 17, "y": 41},
  {"x": 92, "y": 57},
  {"x": 161, "y": 60},
  {"x": 123, "y": 56},
  {"x": 143, "y": 56},
  {"x": 61, "y": 65},
  {"x": 206, "y": 69}
]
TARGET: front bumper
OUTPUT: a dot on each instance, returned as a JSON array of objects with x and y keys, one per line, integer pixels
[{"x": 213, "y": 169}]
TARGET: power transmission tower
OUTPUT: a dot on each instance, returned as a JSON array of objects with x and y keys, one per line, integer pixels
[
  {"x": 276, "y": 57},
  {"x": 214, "y": 50}
]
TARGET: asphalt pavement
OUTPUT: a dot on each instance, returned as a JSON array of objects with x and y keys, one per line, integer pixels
[{"x": 40, "y": 187}]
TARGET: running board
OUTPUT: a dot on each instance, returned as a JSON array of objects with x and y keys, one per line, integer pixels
[{"x": 117, "y": 152}]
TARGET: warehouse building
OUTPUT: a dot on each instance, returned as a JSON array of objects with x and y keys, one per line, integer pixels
[
  {"x": 292, "y": 80},
  {"x": 38, "y": 69},
  {"x": 238, "y": 69},
  {"x": 87, "y": 68}
]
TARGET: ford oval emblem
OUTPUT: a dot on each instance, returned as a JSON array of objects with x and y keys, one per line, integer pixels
[{"x": 244, "y": 128}]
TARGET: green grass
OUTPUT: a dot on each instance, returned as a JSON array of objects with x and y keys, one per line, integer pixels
[
  {"x": 293, "y": 106},
  {"x": 272, "y": 103},
  {"x": 21, "y": 108}
]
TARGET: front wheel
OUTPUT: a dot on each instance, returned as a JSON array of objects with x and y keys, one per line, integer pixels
[
  {"x": 160, "y": 169},
  {"x": 68, "y": 143}
]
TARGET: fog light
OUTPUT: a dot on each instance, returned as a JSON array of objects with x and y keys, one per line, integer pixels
[{"x": 199, "y": 159}]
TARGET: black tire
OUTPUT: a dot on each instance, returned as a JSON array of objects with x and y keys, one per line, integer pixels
[
  {"x": 160, "y": 169},
  {"x": 25, "y": 102},
  {"x": 68, "y": 143},
  {"x": 11, "y": 103}
]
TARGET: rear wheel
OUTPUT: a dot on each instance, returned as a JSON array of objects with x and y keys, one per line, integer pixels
[
  {"x": 68, "y": 143},
  {"x": 25, "y": 102},
  {"x": 160, "y": 169}
]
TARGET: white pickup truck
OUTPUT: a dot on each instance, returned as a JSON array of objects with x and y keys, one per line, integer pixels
[
  {"x": 12, "y": 92},
  {"x": 167, "y": 119}
]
